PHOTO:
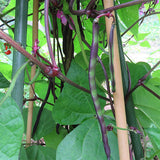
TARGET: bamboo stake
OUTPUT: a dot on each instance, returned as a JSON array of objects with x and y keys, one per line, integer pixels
[
  {"x": 33, "y": 71},
  {"x": 118, "y": 96}
]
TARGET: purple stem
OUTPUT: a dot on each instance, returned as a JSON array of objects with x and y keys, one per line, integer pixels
[
  {"x": 107, "y": 84},
  {"x": 94, "y": 13},
  {"x": 47, "y": 33},
  {"x": 147, "y": 74},
  {"x": 151, "y": 91}
]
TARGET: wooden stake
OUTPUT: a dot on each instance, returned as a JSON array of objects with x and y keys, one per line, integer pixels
[
  {"x": 33, "y": 71},
  {"x": 118, "y": 96}
]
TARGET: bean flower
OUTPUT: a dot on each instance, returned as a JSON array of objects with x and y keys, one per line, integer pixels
[
  {"x": 61, "y": 16},
  {"x": 8, "y": 51}
]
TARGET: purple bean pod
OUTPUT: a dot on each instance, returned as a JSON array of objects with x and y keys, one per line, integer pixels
[{"x": 92, "y": 83}]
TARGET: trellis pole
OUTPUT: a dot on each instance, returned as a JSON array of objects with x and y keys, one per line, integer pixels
[{"x": 118, "y": 95}]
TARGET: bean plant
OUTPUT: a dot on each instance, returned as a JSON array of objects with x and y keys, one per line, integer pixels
[{"x": 67, "y": 100}]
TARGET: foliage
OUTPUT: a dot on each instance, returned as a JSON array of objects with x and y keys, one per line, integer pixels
[{"x": 68, "y": 122}]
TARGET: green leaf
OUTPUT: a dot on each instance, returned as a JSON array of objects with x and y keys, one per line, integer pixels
[
  {"x": 132, "y": 43},
  {"x": 126, "y": 15},
  {"x": 4, "y": 83},
  {"x": 148, "y": 103},
  {"x": 53, "y": 139},
  {"x": 80, "y": 61},
  {"x": 99, "y": 71},
  {"x": 145, "y": 44},
  {"x": 137, "y": 71},
  {"x": 156, "y": 73},
  {"x": 23, "y": 154},
  {"x": 85, "y": 142},
  {"x": 144, "y": 120},
  {"x": 6, "y": 70},
  {"x": 11, "y": 129},
  {"x": 154, "y": 136},
  {"x": 151, "y": 131},
  {"x": 40, "y": 153},
  {"x": 46, "y": 123},
  {"x": 41, "y": 90},
  {"x": 141, "y": 36},
  {"x": 11, "y": 5},
  {"x": 73, "y": 105},
  {"x": 155, "y": 81}
]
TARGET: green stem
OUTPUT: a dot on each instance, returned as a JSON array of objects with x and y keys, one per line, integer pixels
[{"x": 18, "y": 59}]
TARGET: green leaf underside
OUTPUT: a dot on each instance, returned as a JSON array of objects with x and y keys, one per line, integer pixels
[
  {"x": 85, "y": 143},
  {"x": 11, "y": 129},
  {"x": 46, "y": 123},
  {"x": 149, "y": 105},
  {"x": 74, "y": 106}
]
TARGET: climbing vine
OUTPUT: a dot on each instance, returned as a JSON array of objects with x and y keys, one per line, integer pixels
[{"x": 74, "y": 84}]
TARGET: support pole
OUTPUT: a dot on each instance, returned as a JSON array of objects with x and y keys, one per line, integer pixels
[
  {"x": 118, "y": 95},
  {"x": 33, "y": 71}
]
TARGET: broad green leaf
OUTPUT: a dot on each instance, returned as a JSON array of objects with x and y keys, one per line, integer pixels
[
  {"x": 40, "y": 153},
  {"x": 154, "y": 134},
  {"x": 141, "y": 36},
  {"x": 73, "y": 105},
  {"x": 80, "y": 60},
  {"x": 99, "y": 71},
  {"x": 53, "y": 139},
  {"x": 151, "y": 131},
  {"x": 23, "y": 154},
  {"x": 46, "y": 123},
  {"x": 137, "y": 71},
  {"x": 4, "y": 83},
  {"x": 132, "y": 43},
  {"x": 6, "y": 70},
  {"x": 155, "y": 81},
  {"x": 10, "y": 7},
  {"x": 144, "y": 120},
  {"x": 148, "y": 103},
  {"x": 156, "y": 73},
  {"x": 126, "y": 15},
  {"x": 11, "y": 129},
  {"x": 85, "y": 143},
  {"x": 145, "y": 44}
]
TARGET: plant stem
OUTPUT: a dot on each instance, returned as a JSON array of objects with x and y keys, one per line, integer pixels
[
  {"x": 47, "y": 33},
  {"x": 33, "y": 71},
  {"x": 95, "y": 13},
  {"x": 41, "y": 109},
  {"x": 47, "y": 70},
  {"x": 18, "y": 59}
]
